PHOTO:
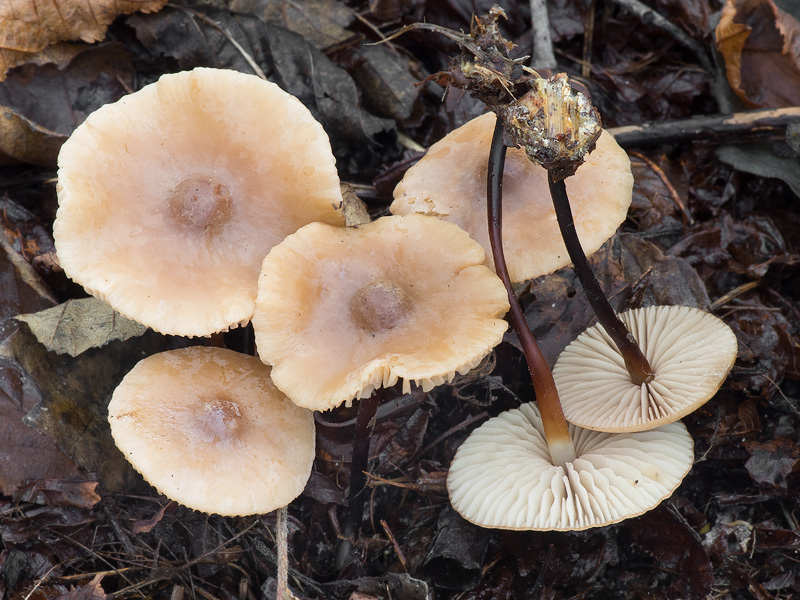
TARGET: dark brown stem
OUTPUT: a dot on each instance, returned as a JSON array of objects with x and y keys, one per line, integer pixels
[
  {"x": 555, "y": 426},
  {"x": 365, "y": 423},
  {"x": 635, "y": 361}
]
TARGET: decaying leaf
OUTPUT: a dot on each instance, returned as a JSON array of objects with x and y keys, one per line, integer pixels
[
  {"x": 43, "y": 105},
  {"x": 77, "y": 325},
  {"x": 24, "y": 452},
  {"x": 59, "y": 492},
  {"x": 72, "y": 411},
  {"x": 762, "y": 58},
  {"x": 321, "y": 22},
  {"x": 29, "y": 26}
]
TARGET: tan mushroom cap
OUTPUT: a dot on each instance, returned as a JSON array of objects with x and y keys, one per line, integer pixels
[
  {"x": 450, "y": 182},
  {"x": 170, "y": 198},
  {"x": 502, "y": 476},
  {"x": 207, "y": 428},
  {"x": 341, "y": 312},
  {"x": 689, "y": 350}
]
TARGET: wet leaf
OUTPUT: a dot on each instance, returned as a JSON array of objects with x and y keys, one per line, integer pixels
[
  {"x": 773, "y": 462},
  {"x": 456, "y": 557},
  {"x": 330, "y": 94},
  {"x": 89, "y": 591},
  {"x": 59, "y": 492},
  {"x": 24, "y": 452},
  {"x": 77, "y": 325},
  {"x": 762, "y": 58},
  {"x": 675, "y": 547},
  {"x": 388, "y": 89},
  {"x": 762, "y": 160},
  {"x": 322, "y": 22},
  {"x": 29, "y": 26},
  {"x": 41, "y": 106},
  {"x": 72, "y": 411}
]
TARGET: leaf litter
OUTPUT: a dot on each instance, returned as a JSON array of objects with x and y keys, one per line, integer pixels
[{"x": 76, "y": 522}]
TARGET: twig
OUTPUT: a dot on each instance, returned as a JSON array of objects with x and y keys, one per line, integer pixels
[
  {"x": 688, "y": 218},
  {"x": 543, "y": 55},
  {"x": 245, "y": 54},
  {"x": 395, "y": 545},
  {"x": 281, "y": 535},
  {"x": 648, "y": 16},
  {"x": 714, "y": 128}
]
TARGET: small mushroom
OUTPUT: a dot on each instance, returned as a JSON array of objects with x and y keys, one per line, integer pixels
[
  {"x": 170, "y": 198},
  {"x": 207, "y": 428},
  {"x": 689, "y": 350},
  {"x": 450, "y": 182},
  {"x": 502, "y": 475},
  {"x": 343, "y": 311}
]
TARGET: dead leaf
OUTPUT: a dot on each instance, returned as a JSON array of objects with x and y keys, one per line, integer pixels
[
  {"x": 388, "y": 89},
  {"x": 29, "y": 26},
  {"x": 77, "y": 325},
  {"x": 41, "y": 106},
  {"x": 24, "y": 452},
  {"x": 321, "y": 22},
  {"x": 73, "y": 408},
  {"x": 762, "y": 58},
  {"x": 353, "y": 208},
  {"x": 59, "y": 492}
]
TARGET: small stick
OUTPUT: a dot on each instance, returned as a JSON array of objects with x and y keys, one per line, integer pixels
[
  {"x": 543, "y": 55},
  {"x": 282, "y": 543},
  {"x": 714, "y": 128},
  {"x": 555, "y": 426},
  {"x": 635, "y": 361}
]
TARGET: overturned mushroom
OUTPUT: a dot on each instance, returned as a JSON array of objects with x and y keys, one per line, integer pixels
[
  {"x": 689, "y": 350},
  {"x": 170, "y": 198},
  {"x": 343, "y": 311},
  {"x": 502, "y": 475},
  {"x": 207, "y": 428}
]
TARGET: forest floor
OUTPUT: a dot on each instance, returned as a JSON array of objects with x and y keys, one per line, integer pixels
[{"x": 714, "y": 223}]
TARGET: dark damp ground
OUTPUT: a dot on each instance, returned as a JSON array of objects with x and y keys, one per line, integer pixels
[{"x": 714, "y": 222}]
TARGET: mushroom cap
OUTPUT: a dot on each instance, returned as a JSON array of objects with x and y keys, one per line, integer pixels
[
  {"x": 689, "y": 350},
  {"x": 207, "y": 428},
  {"x": 502, "y": 476},
  {"x": 450, "y": 182},
  {"x": 170, "y": 198},
  {"x": 342, "y": 311}
]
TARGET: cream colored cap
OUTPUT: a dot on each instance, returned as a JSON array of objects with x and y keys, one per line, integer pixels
[
  {"x": 450, "y": 182},
  {"x": 342, "y": 311},
  {"x": 502, "y": 476},
  {"x": 170, "y": 198},
  {"x": 689, "y": 350},
  {"x": 207, "y": 428}
]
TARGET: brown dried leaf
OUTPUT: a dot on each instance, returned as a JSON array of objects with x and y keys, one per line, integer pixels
[
  {"x": 59, "y": 492},
  {"x": 77, "y": 325},
  {"x": 29, "y": 26},
  {"x": 41, "y": 106},
  {"x": 73, "y": 411},
  {"x": 322, "y": 22},
  {"x": 762, "y": 57}
]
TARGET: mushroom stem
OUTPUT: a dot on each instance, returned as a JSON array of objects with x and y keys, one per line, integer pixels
[
  {"x": 365, "y": 423},
  {"x": 635, "y": 361},
  {"x": 555, "y": 426},
  {"x": 282, "y": 543}
]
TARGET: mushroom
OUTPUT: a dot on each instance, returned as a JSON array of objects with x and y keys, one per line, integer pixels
[
  {"x": 690, "y": 351},
  {"x": 502, "y": 475},
  {"x": 343, "y": 311},
  {"x": 170, "y": 198},
  {"x": 450, "y": 182},
  {"x": 207, "y": 428}
]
